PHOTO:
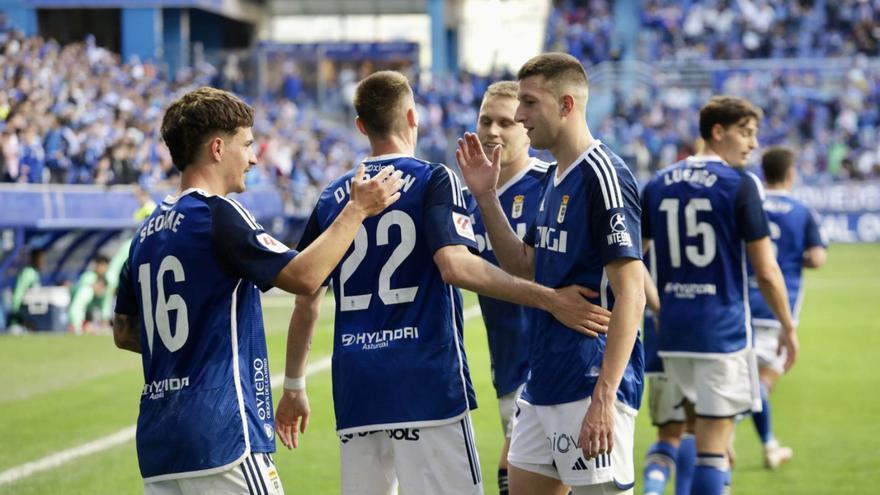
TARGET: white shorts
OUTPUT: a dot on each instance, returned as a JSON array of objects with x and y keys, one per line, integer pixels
[
  {"x": 719, "y": 387},
  {"x": 257, "y": 475},
  {"x": 545, "y": 441},
  {"x": 434, "y": 460},
  {"x": 506, "y": 408},
  {"x": 766, "y": 343},
  {"x": 664, "y": 401}
]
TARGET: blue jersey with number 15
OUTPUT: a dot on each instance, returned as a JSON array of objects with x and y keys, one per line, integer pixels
[
  {"x": 398, "y": 350},
  {"x": 699, "y": 213}
]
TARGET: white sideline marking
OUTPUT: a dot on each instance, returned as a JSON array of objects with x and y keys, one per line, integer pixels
[{"x": 126, "y": 434}]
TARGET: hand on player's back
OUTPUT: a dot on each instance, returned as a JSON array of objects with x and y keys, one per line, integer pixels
[
  {"x": 373, "y": 195},
  {"x": 480, "y": 174},
  {"x": 573, "y": 310}
]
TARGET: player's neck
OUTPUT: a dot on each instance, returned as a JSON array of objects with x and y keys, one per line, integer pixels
[
  {"x": 392, "y": 145},
  {"x": 570, "y": 146},
  {"x": 512, "y": 170},
  {"x": 779, "y": 187},
  {"x": 196, "y": 177}
]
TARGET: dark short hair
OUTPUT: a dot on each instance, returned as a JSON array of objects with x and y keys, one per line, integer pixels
[
  {"x": 727, "y": 111},
  {"x": 377, "y": 101},
  {"x": 198, "y": 114},
  {"x": 102, "y": 259},
  {"x": 555, "y": 67},
  {"x": 775, "y": 164}
]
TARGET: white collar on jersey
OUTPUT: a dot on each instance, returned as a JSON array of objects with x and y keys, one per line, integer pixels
[
  {"x": 706, "y": 157},
  {"x": 776, "y": 192},
  {"x": 558, "y": 179},
  {"x": 389, "y": 156},
  {"x": 174, "y": 199},
  {"x": 533, "y": 162}
]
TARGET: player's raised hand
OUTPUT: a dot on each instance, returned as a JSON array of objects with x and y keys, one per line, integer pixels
[
  {"x": 597, "y": 429},
  {"x": 788, "y": 340},
  {"x": 292, "y": 417},
  {"x": 571, "y": 307},
  {"x": 372, "y": 195},
  {"x": 480, "y": 174}
]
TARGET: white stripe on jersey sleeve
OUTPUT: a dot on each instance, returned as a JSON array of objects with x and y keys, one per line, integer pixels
[
  {"x": 241, "y": 211},
  {"x": 755, "y": 178},
  {"x": 457, "y": 200},
  {"x": 247, "y": 212},
  {"x": 601, "y": 179},
  {"x": 615, "y": 184}
]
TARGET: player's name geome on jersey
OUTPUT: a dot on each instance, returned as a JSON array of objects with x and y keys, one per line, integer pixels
[
  {"x": 169, "y": 220},
  {"x": 342, "y": 192},
  {"x": 379, "y": 339}
]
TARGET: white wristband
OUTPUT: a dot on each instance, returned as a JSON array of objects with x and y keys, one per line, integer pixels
[{"x": 294, "y": 383}]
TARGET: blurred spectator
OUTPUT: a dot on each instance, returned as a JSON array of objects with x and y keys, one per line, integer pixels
[
  {"x": 89, "y": 309},
  {"x": 29, "y": 277}
]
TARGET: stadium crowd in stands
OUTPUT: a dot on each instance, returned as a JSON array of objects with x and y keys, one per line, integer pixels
[
  {"x": 78, "y": 114},
  {"x": 736, "y": 29}
]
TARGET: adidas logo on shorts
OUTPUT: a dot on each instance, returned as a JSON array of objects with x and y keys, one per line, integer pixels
[{"x": 579, "y": 465}]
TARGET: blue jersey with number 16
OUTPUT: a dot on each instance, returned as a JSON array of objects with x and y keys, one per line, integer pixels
[
  {"x": 193, "y": 277},
  {"x": 398, "y": 352}
]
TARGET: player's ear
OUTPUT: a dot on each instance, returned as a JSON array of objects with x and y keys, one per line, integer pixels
[
  {"x": 360, "y": 125},
  {"x": 412, "y": 118},
  {"x": 216, "y": 146},
  {"x": 717, "y": 132},
  {"x": 566, "y": 105}
]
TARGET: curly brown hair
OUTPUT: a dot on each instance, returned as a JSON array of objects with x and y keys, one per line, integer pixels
[{"x": 190, "y": 120}]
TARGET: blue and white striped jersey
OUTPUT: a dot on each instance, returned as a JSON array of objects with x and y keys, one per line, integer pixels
[
  {"x": 193, "y": 275},
  {"x": 793, "y": 230},
  {"x": 506, "y": 323},
  {"x": 398, "y": 352},
  {"x": 588, "y": 217},
  {"x": 699, "y": 213}
]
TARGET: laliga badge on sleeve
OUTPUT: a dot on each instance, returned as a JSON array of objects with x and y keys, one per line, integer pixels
[
  {"x": 463, "y": 226},
  {"x": 272, "y": 244}
]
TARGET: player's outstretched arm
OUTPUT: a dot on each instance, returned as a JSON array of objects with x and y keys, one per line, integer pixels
[
  {"x": 481, "y": 176},
  {"x": 626, "y": 276},
  {"x": 569, "y": 305},
  {"x": 127, "y": 332},
  {"x": 369, "y": 196},
  {"x": 772, "y": 286},
  {"x": 292, "y": 415}
]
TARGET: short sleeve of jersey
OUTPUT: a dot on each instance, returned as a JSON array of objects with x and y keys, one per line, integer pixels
[
  {"x": 126, "y": 303},
  {"x": 814, "y": 236},
  {"x": 751, "y": 219},
  {"x": 615, "y": 214},
  {"x": 447, "y": 219},
  {"x": 244, "y": 247}
]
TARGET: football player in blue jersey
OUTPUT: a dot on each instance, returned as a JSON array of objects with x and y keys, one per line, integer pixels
[
  {"x": 798, "y": 243},
  {"x": 401, "y": 387},
  {"x": 575, "y": 419},
  {"x": 188, "y": 301},
  {"x": 705, "y": 219},
  {"x": 519, "y": 186}
]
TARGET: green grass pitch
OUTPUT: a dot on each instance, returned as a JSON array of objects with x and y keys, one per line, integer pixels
[{"x": 62, "y": 391}]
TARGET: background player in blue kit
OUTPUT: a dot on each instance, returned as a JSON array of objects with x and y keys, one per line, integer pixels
[
  {"x": 798, "y": 243},
  {"x": 188, "y": 302},
  {"x": 575, "y": 420},
  {"x": 519, "y": 187},
  {"x": 401, "y": 388},
  {"x": 703, "y": 216}
]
